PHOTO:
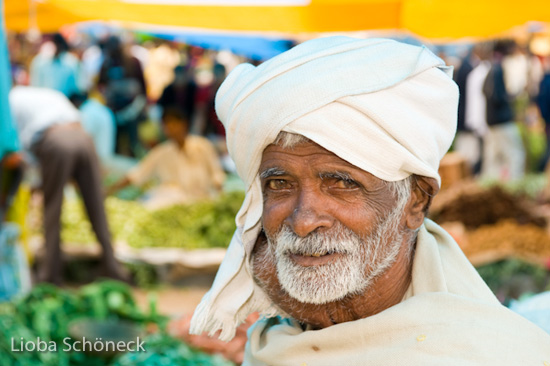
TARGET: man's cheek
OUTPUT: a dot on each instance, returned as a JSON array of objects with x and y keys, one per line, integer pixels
[
  {"x": 265, "y": 274},
  {"x": 273, "y": 218},
  {"x": 263, "y": 262}
]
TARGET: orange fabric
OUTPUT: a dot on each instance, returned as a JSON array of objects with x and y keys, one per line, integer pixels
[
  {"x": 434, "y": 19},
  {"x": 21, "y": 16},
  {"x": 319, "y": 16}
]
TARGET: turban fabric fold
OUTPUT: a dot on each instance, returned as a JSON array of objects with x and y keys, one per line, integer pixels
[{"x": 386, "y": 107}]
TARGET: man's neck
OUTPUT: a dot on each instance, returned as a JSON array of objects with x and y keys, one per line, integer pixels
[
  {"x": 386, "y": 291},
  {"x": 180, "y": 142}
]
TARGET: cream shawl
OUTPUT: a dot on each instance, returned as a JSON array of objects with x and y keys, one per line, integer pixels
[{"x": 448, "y": 317}]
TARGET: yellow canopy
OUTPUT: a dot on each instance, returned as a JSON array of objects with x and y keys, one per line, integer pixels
[
  {"x": 426, "y": 18},
  {"x": 470, "y": 18}
]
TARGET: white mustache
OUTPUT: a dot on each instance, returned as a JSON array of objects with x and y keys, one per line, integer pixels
[
  {"x": 344, "y": 276},
  {"x": 339, "y": 240}
]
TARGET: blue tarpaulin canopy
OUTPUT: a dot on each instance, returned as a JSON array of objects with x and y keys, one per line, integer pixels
[{"x": 256, "y": 48}]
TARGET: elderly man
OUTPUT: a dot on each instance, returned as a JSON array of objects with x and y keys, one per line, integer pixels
[{"x": 338, "y": 141}]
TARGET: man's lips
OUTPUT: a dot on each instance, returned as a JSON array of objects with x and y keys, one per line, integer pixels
[{"x": 317, "y": 260}]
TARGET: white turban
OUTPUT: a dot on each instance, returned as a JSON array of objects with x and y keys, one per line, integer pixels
[{"x": 386, "y": 107}]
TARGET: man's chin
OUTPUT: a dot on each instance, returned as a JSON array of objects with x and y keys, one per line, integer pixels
[
  {"x": 319, "y": 285},
  {"x": 315, "y": 299}
]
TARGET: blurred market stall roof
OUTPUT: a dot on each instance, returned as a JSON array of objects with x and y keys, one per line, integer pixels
[
  {"x": 253, "y": 47},
  {"x": 434, "y": 19},
  {"x": 257, "y": 47}
]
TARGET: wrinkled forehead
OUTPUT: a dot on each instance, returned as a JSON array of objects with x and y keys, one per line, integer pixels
[
  {"x": 288, "y": 146},
  {"x": 304, "y": 154}
]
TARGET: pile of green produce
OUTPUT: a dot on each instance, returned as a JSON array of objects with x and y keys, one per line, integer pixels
[
  {"x": 530, "y": 186},
  {"x": 206, "y": 224},
  {"x": 48, "y": 309},
  {"x": 164, "y": 350},
  {"x": 47, "y": 312},
  {"x": 13, "y": 328},
  {"x": 512, "y": 278},
  {"x": 121, "y": 215}
]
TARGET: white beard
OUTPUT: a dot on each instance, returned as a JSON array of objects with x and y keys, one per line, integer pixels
[{"x": 362, "y": 260}]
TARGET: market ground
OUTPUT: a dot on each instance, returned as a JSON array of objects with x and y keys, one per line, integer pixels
[{"x": 171, "y": 301}]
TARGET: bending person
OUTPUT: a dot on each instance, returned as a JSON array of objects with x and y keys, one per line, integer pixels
[{"x": 49, "y": 127}]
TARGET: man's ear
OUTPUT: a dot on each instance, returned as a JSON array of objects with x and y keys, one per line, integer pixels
[{"x": 422, "y": 191}]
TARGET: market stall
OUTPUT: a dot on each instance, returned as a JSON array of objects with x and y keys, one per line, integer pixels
[
  {"x": 175, "y": 241},
  {"x": 503, "y": 231}
]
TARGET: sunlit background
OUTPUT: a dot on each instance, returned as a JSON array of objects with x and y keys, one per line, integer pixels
[{"x": 497, "y": 208}]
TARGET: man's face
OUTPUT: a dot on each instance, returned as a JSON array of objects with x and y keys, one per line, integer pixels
[{"x": 331, "y": 227}]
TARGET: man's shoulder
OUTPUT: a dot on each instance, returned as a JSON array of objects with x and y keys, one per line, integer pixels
[
  {"x": 164, "y": 147},
  {"x": 40, "y": 96},
  {"x": 198, "y": 141},
  {"x": 429, "y": 329},
  {"x": 96, "y": 106},
  {"x": 162, "y": 152}
]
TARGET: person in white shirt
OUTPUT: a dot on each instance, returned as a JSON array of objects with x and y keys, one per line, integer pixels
[
  {"x": 186, "y": 167},
  {"x": 49, "y": 127},
  {"x": 476, "y": 106}
]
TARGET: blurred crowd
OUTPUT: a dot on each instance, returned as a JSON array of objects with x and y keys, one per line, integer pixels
[
  {"x": 127, "y": 82},
  {"x": 504, "y": 110}
]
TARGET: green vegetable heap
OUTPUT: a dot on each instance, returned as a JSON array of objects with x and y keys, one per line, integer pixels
[
  {"x": 122, "y": 216},
  {"x": 513, "y": 278},
  {"x": 165, "y": 350},
  {"x": 48, "y": 311},
  {"x": 207, "y": 224}
]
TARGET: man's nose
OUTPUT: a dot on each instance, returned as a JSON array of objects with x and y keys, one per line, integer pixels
[{"x": 310, "y": 214}]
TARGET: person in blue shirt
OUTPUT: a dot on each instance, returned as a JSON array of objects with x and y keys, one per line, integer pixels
[
  {"x": 59, "y": 71},
  {"x": 11, "y": 160},
  {"x": 99, "y": 121}
]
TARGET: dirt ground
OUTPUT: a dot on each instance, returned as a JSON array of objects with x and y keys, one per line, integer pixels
[
  {"x": 171, "y": 301},
  {"x": 178, "y": 297}
]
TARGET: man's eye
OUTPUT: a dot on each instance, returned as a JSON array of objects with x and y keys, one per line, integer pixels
[
  {"x": 344, "y": 184},
  {"x": 276, "y": 184}
]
